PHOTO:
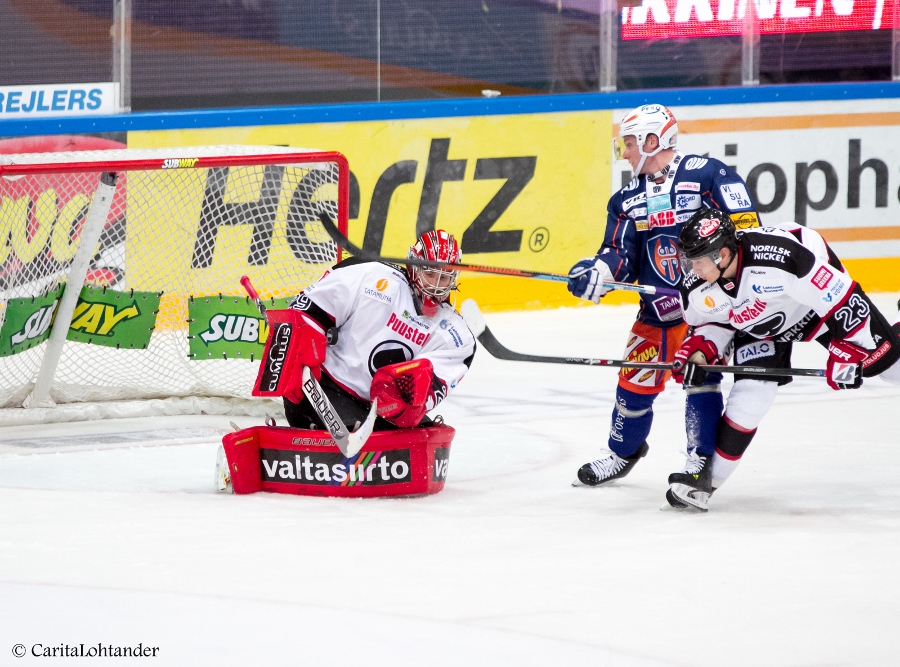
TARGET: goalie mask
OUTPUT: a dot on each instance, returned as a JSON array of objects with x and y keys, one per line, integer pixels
[
  {"x": 641, "y": 123},
  {"x": 431, "y": 287}
]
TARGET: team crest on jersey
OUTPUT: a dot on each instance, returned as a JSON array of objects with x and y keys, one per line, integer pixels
[{"x": 664, "y": 253}]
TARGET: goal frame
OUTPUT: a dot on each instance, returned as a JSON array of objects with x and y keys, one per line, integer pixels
[{"x": 13, "y": 167}]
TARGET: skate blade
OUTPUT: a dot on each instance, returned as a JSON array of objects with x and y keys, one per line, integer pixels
[
  {"x": 690, "y": 497},
  {"x": 672, "y": 503},
  {"x": 581, "y": 485}
]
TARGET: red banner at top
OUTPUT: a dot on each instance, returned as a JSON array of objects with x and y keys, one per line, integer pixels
[{"x": 663, "y": 19}]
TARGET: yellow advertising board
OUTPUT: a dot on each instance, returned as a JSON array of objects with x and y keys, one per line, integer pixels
[{"x": 525, "y": 191}]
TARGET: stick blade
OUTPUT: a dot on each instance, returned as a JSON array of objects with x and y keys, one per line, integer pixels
[
  {"x": 327, "y": 414},
  {"x": 472, "y": 315},
  {"x": 357, "y": 439}
]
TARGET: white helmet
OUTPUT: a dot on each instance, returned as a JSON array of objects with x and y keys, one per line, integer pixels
[{"x": 641, "y": 123}]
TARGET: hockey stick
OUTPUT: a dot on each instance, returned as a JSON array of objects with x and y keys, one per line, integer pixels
[
  {"x": 495, "y": 348},
  {"x": 349, "y": 443},
  {"x": 356, "y": 251}
]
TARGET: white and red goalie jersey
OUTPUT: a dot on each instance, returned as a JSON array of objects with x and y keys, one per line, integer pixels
[
  {"x": 372, "y": 307},
  {"x": 790, "y": 286}
]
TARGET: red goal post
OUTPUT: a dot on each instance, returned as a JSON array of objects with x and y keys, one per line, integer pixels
[{"x": 119, "y": 272}]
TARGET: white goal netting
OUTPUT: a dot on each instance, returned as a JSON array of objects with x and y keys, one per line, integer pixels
[{"x": 160, "y": 311}]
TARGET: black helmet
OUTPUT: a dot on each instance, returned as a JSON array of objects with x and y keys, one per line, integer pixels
[{"x": 705, "y": 233}]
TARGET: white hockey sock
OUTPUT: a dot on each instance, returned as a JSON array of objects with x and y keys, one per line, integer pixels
[{"x": 722, "y": 467}]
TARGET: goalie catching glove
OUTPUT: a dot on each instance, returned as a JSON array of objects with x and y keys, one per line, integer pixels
[
  {"x": 402, "y": 391},
  {"x": 694, "y": 351},
  {"x": 844, "y": 368}
]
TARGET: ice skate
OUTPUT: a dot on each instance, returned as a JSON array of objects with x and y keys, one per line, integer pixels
[
  {"x": 223, "y": 473},
  {"x": 609, "y": 468},
  {"x": 692, "y": 487}
]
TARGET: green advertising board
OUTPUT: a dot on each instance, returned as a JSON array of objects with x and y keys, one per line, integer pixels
[
  {"x": 27, "y": 322},
  {"x": 114, "y": 319},
  {"x": 228, "y": 327}
]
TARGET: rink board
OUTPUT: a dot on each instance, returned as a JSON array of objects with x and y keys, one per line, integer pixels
[{"x": 523, "y": 182}]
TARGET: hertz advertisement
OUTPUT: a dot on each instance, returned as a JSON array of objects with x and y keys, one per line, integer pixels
[{"x": 526, "y": 192}]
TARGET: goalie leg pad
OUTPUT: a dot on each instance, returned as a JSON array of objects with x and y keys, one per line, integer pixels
[{"x": 242, "y": 454}]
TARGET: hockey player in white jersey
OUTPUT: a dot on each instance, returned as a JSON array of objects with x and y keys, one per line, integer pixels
[
  {"x": 757, "y": 292},
  {"x": 395, "y": 337}
]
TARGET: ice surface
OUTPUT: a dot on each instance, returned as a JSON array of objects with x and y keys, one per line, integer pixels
[{"x": 110, "y": 533}]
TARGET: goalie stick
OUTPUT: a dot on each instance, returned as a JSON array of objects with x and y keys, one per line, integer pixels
[
  {"x": 475, "y": 321},
  {"x": 356, "y": 251},
  {"x": 349, "y": 443}
]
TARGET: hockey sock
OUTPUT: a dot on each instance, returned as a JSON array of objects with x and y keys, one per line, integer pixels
[
  {"x": 702, "y": 409},
  {"x": 631, "y": 421},
  {"x": 731, "y": 443}
]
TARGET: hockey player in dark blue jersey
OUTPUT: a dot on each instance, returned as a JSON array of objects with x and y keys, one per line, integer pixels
[{"x": 640, "y": 245}]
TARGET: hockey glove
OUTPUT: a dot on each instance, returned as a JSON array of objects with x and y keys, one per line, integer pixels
[
  {"x": 694, "y": 351},
  {"x": 402, "y": 390},
  {"x": 292, "y": 344},
  {"x": 844, "y": 368},
  {"x": 587, "y": 277}
]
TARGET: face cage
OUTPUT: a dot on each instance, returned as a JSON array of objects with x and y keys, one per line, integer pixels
[
  {"x": 435, "y": 292},
  {"x": 687, "y": 264}
]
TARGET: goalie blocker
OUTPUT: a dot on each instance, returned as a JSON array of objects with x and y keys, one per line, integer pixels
[
  {"x": 405, "y": 462},
  {"x": 292, "y": 344}
]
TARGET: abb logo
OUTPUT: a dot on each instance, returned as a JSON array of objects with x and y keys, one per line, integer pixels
[
  {"x": 822, "y": 278},
  {"x": 749, "y": 313},
  {"x": 662, "y": 219}
]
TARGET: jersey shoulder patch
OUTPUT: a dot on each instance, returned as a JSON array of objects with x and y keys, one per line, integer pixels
[
  {"x": 776, "y": 250},
  {"x": 694, "y": 162},
  {"x": 453, "y": 327},
  {"x": 735, "y": 196}
]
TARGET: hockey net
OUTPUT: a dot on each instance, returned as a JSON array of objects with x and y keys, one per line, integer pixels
[{"x": 160, "y": 313}]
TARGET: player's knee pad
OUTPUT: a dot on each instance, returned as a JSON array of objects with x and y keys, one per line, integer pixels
[
  {"x": 631, "y": 420},
  {"x": 702, "y": 409}
]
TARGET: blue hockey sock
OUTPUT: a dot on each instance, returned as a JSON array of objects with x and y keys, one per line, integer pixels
[
  {"x": 631, "y": 420},
  {"x": 702, "y": 410}
]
